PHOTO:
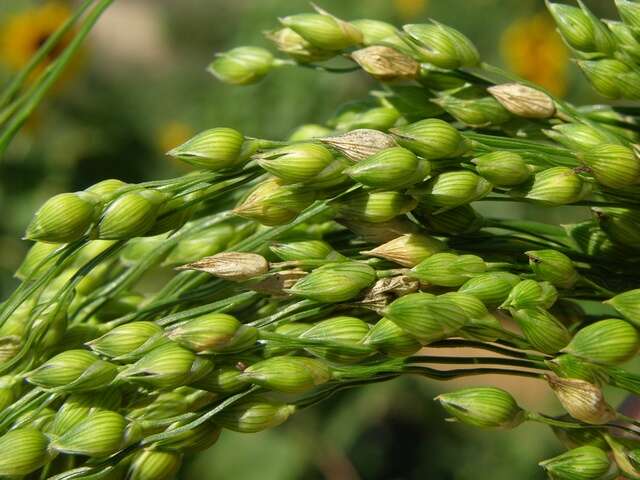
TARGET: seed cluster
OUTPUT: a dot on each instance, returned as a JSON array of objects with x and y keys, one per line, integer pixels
[{"x": 347, "y": 254}]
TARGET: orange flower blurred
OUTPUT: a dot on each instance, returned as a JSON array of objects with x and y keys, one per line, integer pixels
[
  {"x": 533, "y": 49},
  {"x": 24, "y": 33}
]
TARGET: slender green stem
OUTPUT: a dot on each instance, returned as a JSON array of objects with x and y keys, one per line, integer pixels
[
  {"x": 459, "y": 342},
  {"x": 476, "y": 361}
]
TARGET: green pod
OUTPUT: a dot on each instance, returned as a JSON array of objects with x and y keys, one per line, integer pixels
[
  {"x": 613, "y": 166},
  {"x": 287, "y": 374},
  {"x": 22, "y": 451},
  {"x": 379, "y": 232},
  {"x": 452, "y": 189},
  {"x": 581, "y": 30},
  {"x": 481, "y": 324},
  {"x": 165, "y": 405},
  {"x": 477, "y": 111},
  {"x": 309, "y": 131},
  {"x": 292, "y": 44},
  {"x": 241, "y": 65},
  {"x": 570, "y": 366},
  {"x": 448, "y": 269},
  {"x": 408, "y": 250},
  {"x": 225, "y": 380},
  {"x": 119, "y": 306},
  {"x": 296, "y": 163},
  {"x": 73, "y": 370},
  {"x": 504, "y": 169},
  {"x": 126, "y": 339},
  {"x": 374, "y": 31},
  {"x": 167, "y": 366},
  {"x": 390, "y": 168},
  {"x": 335, "y": 282},
  {"x": 483, "y": 407},
  {"x": 214, "y": 149},
  {"x": 10, "y": 389},
  {"x": 272, "y": 203},
  {"x": 130, "y": 215},
  {"x": 305, "y": 250},
  {"x": 531, "y": 294},
  {"x": 251, "y": 416},
  {"x": 580, "y": 137},
  {"x": 554, "y": 267},
  {"x": 460, "y": 220},
  {"x": 607, "y": 342},
  {"x": 431, "y": 138},
  {"x": 106, "y": 189},
  {"x": 63, "y": 218},
  {"x": 492, "y": 288},
  {"x": 213, "y": 333},
  {"x": 542, "y": 330},
  {"x": 151, "y": 464},
  {"x": 375, "y": 207},
  {"x": 581, "y": 463},
  {"x": 363, "y": 115},
  {"x": 208, "y": 243},
  {"x": 79, "y": 406},
  {"x": 612, "y": 78},
  {"x": 628, "y": 305},
  {"x": 197, "y": 439},
  {"x": 349, "y": 331},
  {"x": 35, "y": 258},
  {"x": 388, "y": 338},
  {"x": 426, "y": 317},
  {"x": 323, "y": 31},
  {"x": 557, "y": 186},
  {"x": 440, "y": 45},
  {"x": 578, "y": 437},
  {"x": 621, "y": 225},
  {"x": 99, "y": 435},
  {"x": 174, "y": 213},
  {"x": 629, "y": 13}
]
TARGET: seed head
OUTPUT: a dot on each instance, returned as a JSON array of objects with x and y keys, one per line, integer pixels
[
  {"x": 452, "y": 189},
  {"x": 582, "y": 400},
  {"x": 492, "y": 288},
  {"x": 288, "y": 374},
  {"x": 309, "y": 131},
  {"x": 503, "y": 169},
  {"x": 448, "y": 269},
  {"x": 628, "y": 305},
  {"x": 456, "y": 221},
  {"x": 194, "y": 440},
  {"x": 154, "y": 465},
  {"x": 557, "y": 186},
  {"x": 554, "y": 267},
  {"x": 335, "y": 282},
  {"x": 214, "y": 149},
  {"x": 542, "y": 330},
  {"x": 431, "y": 139},
  {"x": 375, "y": 207},
  {"x": 391, "y": 340},
  {"x": 613, "y": 166},
  {"x": 441, "y": 45},
  {"x": 78, "y": 406},
  {"x": 408, "y": 250},
  {"x": 323, "y": 30},
  {"x": 606, "y": 342},
  {"x": 386, "y": 64},
  {"x": 582, "y": 463},
  {"x": 254, "y": 415},
  {"x": 427, "y": 317},
  {"x": 360, "y": 143},
  {"x": 621, "y": 225},
  {"x": 125, "y": 340},
  {"x": 531, "y": 294},
  {"x": 349, "y": 331},
  {"x": 581, "y": 29},
  {"x": 612, "y": 78},
  {"x": 272, "y": 203},
  {"x": 379, "y": 232},
  {"x": 374, "y": 31},
  {"x": 22, "y": 451},
  {"x": 364, "y": 115},
  {"x": 484, "y": 407},
  {"x": 481, "y": 325},
  {"x": 130, "y": 215},
  {"x": 579, "y": 137},
  {"x": 106, "y": 189},
  {"x": 235, "y": 266},
  {"x": 394, "y": 167},
  {"x": 570, "y": 366},
  {"x": 63, "y": 218},
  {"x": 167, "y": 366},
  {"x": 242, "y": 65},
  {"x": 300, "y": 162},
  {"x": 213, "y": 333},
  {"x": 225, "y": 380},
  {"x": 304, "y": 250},
  {"x": 73, "y": 370},
  {"x": 474, "y": 109},
  {"x": 523, "y": 101},
  {"x": 292, "y": 44}
]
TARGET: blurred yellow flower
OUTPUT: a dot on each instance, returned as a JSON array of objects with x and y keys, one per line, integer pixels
[
  {"x": 410, "y": 9},
  {"x": 172, "y": 134},
  {"x": 533, "y": 49},
  {"x": 22, "y": 34}
]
